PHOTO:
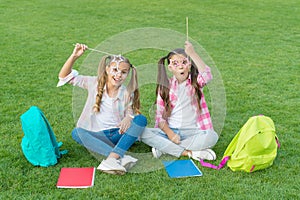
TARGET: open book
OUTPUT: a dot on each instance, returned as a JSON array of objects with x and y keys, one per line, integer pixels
[
  {"x": 181, "y": 168},
  {"x": 76, "y": 177}
]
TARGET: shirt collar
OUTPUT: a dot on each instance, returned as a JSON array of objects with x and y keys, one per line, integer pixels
[{"x": 121, "y": 91}]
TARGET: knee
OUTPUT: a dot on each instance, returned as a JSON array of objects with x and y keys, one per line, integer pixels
[
  {"x": 146, "y": 134},
  {"x": 76, "y": 135},
  {"x": 212, "y": 137},
  {"x": 215, "y": 135},
  {"x": 140, "y": 120}
]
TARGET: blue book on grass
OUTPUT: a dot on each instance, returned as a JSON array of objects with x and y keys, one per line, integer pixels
[{"x": 181, "y": 168}]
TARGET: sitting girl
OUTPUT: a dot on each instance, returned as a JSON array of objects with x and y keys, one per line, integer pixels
[
  {"x": 183, "y": 123},
  {"x": 110, "y": 121}
]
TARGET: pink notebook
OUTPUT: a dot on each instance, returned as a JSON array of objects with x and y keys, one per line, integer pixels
[{"x": 76, "y": 177}]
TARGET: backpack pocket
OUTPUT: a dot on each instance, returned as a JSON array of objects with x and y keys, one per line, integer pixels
[{"x": 43, "y": 157}]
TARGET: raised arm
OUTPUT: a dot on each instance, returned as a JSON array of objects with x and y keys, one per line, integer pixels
[
  {"x": 189, "y": 49},
  {"x": 67, "y": 67}
]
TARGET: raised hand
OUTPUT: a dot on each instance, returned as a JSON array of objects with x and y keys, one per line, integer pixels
[
  {"x": 79, "y": 49},
  {"x": 189, "y": 49}
]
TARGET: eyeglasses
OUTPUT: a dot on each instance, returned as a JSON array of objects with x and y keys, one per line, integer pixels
[
  {"x": 114, "y": 66},
  {"x": 115, "y": 71},
  {"x": 181, "y": 62}
]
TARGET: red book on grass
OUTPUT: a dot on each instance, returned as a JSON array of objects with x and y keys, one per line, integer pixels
[{"x": 76, "y": 177}]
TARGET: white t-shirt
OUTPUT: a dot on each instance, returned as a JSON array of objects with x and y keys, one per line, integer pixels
[
  {"x": 183, "y": 115},
  {"x": 106, "y": 119}
]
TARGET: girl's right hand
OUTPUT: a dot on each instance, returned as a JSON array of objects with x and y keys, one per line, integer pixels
[{"x": 79, "y": 49}]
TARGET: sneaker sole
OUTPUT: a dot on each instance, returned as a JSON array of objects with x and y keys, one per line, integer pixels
[
  {"x": 114, "y": 172},
  {"x": 106, "y": 169},
  {"x": 210, "y": 155},
  {"x": 129, "y": 165}
]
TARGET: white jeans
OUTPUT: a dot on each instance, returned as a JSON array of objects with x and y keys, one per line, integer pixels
[{"x": 190, "y": 139}]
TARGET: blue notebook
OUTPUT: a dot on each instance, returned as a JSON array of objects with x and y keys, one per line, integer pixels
[{"x": 181, "y": 168}]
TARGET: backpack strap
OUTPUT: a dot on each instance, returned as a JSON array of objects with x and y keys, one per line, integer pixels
[
  {"x": 55, "y": 144},
  {"x": 228, "y": 152},
  {"x": 59, "y": 144},
  {"x": 221, "y": 165}
]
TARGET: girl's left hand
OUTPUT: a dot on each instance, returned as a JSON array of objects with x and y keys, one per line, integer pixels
[
  {"x": 174, "y": 137},
  {"x": 188, "y": 48},
  {"x": 125, "y": 124}
]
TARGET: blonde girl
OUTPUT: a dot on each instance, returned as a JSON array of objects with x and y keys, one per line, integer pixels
[{"x": 110, "y": 121}]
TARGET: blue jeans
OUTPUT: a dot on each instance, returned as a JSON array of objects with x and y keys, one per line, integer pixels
[{"x": 106, "y": 141}]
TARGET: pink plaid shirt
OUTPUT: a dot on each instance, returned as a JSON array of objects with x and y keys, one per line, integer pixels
[{"x": 203, "y": 118}]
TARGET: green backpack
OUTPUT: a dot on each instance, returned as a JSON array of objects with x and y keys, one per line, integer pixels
[
  {"x": 39, "y": 144},
  {"x": 253, "y": 148}
]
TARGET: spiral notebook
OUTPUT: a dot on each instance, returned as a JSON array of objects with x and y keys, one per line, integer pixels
[
  {"x": 76, "y": 177},
  {"x": 181, "y": 168}
]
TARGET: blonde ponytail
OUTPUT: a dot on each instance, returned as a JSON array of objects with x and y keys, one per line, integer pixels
[
  {"x": 132, "y": 87},
  {"x": 102, "y": 77}
]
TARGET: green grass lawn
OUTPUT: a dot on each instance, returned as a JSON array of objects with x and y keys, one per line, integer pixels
[{"x": 253, "y": 44}]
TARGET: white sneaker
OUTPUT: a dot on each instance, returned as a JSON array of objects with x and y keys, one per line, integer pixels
[
  {"x": 205, "y": 154},
  {"x": 128, "y": 162},
  {"x": 112, "y": 166},
  {"x": 156, "y": 153}
]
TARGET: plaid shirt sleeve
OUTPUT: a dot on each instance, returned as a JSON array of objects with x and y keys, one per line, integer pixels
[
  {"x": 82, "y": 81},
  {"x": 89, "y": 83},
  {"x": 204, "y": 118},
  {"x": 68, "y": 78},
  {"x": 160, "y": 108},
  {"x": 128, "y": 105},
  {"x": 204, "y": 77}
]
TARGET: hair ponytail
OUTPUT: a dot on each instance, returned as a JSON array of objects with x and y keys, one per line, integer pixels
[
  {"x": 162, "y": 87},
  {"x": 102, "y": 77},
  {"x": 132, "y": 87},
  {"x": 196, "y": 86}
]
